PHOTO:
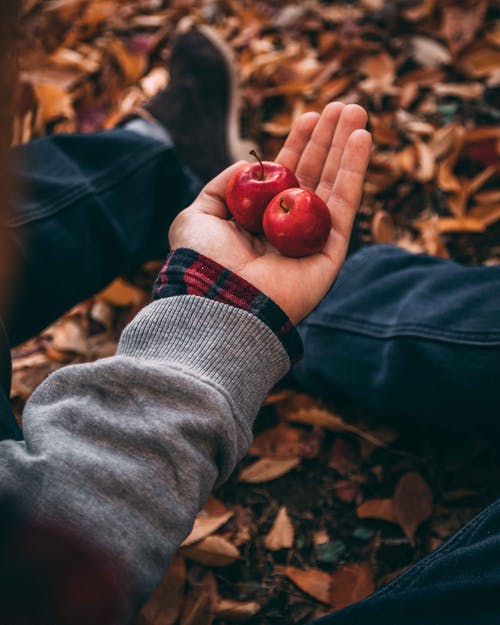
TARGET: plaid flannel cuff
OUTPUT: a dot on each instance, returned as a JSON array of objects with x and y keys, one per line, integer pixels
[{"x": 187, "y": 272}]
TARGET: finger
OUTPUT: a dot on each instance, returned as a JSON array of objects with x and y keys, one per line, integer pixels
[
  {"x": 211, "y": 199},
  {"x": 300, "y": 134},
  {"x": 348, "y": 188},
  {"x": 353, "y": 117},
  {"x": 315, "y": 153}
]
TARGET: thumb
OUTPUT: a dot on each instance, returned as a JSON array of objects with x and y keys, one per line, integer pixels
[{"x": 211, "y": 200}]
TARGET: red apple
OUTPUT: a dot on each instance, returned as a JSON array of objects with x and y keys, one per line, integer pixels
[
  {"x": 252, "y": 187},
  {"x": 297, "y": 222}
]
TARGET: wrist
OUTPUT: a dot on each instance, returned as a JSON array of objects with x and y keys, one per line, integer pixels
[{"x": 187, "y": 272}]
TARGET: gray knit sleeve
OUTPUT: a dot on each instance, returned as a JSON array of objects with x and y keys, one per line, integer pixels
[{"x": 127, "y": 449}]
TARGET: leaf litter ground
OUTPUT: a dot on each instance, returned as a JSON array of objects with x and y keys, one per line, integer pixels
[{"x": 331, "y": 502}]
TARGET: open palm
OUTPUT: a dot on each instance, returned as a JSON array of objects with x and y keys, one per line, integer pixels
[{"x": 329, "y": 154}]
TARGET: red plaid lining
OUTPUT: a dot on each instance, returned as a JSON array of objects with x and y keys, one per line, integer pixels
[{"x": 187, "y": 272}]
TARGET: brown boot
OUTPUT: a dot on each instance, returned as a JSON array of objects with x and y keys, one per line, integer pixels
[{"x": 199, "y": 108}]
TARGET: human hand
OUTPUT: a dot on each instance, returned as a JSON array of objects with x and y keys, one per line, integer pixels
[{"x": 329, "y": 154}]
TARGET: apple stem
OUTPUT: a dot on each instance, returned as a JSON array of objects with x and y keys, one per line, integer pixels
[
  {"x": 254, "y": 153},
  {"x": 283, "y": 205}
]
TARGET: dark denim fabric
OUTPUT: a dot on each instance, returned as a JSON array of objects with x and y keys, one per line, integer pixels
[
  {"x": 90, "y": 207},
  {"x": 418, "y": 338},
  {"x": 412, "y": 337}
]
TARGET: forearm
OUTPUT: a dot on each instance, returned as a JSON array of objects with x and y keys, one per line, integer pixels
[{"x": 127, "y": 449}]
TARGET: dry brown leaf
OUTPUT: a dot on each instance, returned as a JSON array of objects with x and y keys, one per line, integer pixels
[
  {"x": 459, "y": 26},
  {"x": 213, "y": 516},
  {"x": 429, "y": 52},
  {"x": 488, "y": 197},
  {"x": 412, "y": 503},
  {"x": 267, "y": 469},
  {"x": 344, "y": 458},
  {"x": 347, "y": 490},
  {"x": 321, "y": 537},
  {"x": 164, "y": 605},
  {"x": 212, "y": 551},
  {"x": 382, "y": 228},
  {"x": 302, "y": 408},
  {"x": 123, "y": 294},
  {"x": 236, "y": 611},
  {"x": 103, "y": 313},
  {"x": 68, "y": 336},
  {"x": 377, "y": 509},
  {"x": 380, "y": 72},
  {"x": 465, "y": 91},
  {"x": 313, "y": 582},
  {"x": 351, "y": 583},
  {"x": 284, "y": 441},
  {"x": 419, "y": 11},
  {"x": 447, "y": 225},
  {"x": 132, "y": 64},
  {"x": 480, "y": 61},
  {"x": 426, "y": 162},
  {"x": 282, "y": 534},
  {"x": 443, "y": 140},
  {"x": 53, "y": 103},
  {"x": 97, "y": 12},
  {"x": 486, "y": 214},
  {"x": 201, "y": 612}
]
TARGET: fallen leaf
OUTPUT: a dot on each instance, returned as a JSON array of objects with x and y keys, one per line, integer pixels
[
  {"x": 213, "y": 516},
  {"x": 426, "y": 162},
  {"x": 347, "y": 490},
  {"x": 313, "y": 582},
  {"x": 53, "y": 103},
  {"x": 344, "y": 458},
  {"x": 381, "y": 509},
  {"x": 267, "y": 469},
  {"x": 236, "y": 611},
  {"x": 201, "y": 612},
  {"x": 480, "y": 61},
  {"x": 68, "y": 336},
  {"x": 164, "y": 605},
  {"x": 466, "y": 91},
  {"x": 412, "y": 503},
  {"x": 429, "y": 52},
  {"x": 212, "y": 551},
  {"x": 133, "y": 65},
  {"x": 321, "y": 537},
  {"x": 284, "y": 441},
  {"x": 459, "y": 25},
  {"x": 351, "y": 583},
  {"x": 281, "y": 535},
  {"x": 123, "y": 294}
]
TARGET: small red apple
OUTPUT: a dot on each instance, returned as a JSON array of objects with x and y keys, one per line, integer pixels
[
  {"x": 251, "y": 188},
  {"x": 297, "y": 222}
]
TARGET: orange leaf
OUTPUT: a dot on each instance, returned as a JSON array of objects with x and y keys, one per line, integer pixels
[
  {"x": 281, "y": 535},
  {"x": 267, "y": 469},
  {"x": 377, "y": 509},
  {"x": 164, "y": 605},
  {"x": 284, "y": 441},
  {"x": 459, "y": 25},
  {"x": 313, "y": 582},
  {"x": 351, "y": 583},
  {"x": 208, "y": 521},
  {"x": 412, "y": 503},
  {"x": 212, "y": 551}
]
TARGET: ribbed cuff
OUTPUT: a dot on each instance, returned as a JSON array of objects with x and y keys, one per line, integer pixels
[
  {"x": 227, "y": 346},
  {"x": 187, "y": 272}
]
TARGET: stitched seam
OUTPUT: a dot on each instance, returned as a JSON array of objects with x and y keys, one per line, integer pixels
[
  {"x": 417, "y": 330},
  {"x": 103, "y": 182}
]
